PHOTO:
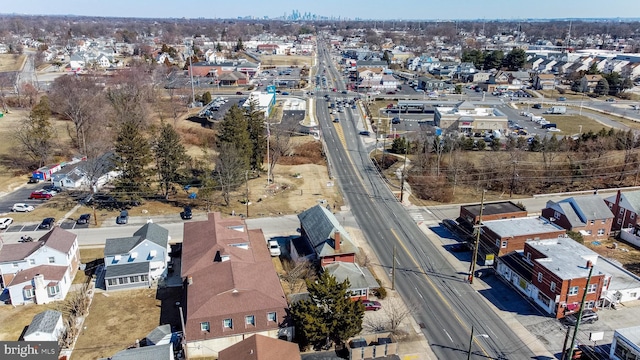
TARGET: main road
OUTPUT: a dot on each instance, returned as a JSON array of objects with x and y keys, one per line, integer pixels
[{"x": 446, "y": 306}]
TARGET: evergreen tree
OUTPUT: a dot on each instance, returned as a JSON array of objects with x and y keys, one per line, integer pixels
[
  {"x": 515, "y": 59},
  {"x": 602, "y": 87},
  {"x": 256, "y": 130},
  {"x": 329, "y": 314},
  {"x": 493, "y": 60},
  {"x": 132, "y": 155},
  {"x": 170, "y": 156},
  {"x": 239, "y": 45},
  {"x": 233, "y": 129},
  {"x": 474, "y": 56}
]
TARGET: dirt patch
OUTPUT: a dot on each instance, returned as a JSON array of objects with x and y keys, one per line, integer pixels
[
  {"x": 286, "y": 60},
  {"x": 621, "y": 252},
  {"x": 10, "y": 62},
  {"x": 115, "y": 321}
]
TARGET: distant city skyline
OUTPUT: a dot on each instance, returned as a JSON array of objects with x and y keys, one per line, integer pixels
[{"x": 371, "y": 9}]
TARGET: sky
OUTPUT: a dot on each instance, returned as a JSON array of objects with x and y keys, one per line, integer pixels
[{"x": 364, "y": 9}]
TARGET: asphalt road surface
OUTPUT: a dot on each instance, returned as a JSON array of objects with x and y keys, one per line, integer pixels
[{"x": 446, "y": 307}]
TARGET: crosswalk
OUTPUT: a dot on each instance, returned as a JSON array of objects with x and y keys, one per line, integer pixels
[{"x": 417, "y": 215}]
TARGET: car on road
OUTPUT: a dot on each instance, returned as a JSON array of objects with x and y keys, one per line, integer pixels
[
  {"x": 33, "y": 180},
  {"x": 611, "y": 100},
  {"x": 186, "y": 213},
  {"x": 285, "y": 93},
  {"x": 123, "y": 218},
  {"x": 371, "y": 305},
  {"x": 395, "y": 120},
  {"x": 274, "y": 248},
  {"x": 344, "y": 91},
  {"x": 47, "y": 223},
  {"x": 40, "y": 195},
  {"x": 365, "y": 133},
  {"x": 83, "y": 219},
  {"x": 588, "y": 317},
  {"x": 336, "y": 120},
  {"x": 5, "y": 222},
  {"x": 238, "y": 92},
  {"x": 22, "y": 207},
  {"x": 562, "y": 98}
]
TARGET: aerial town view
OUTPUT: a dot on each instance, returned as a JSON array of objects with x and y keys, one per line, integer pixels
[{"x": 316, "y": 181}]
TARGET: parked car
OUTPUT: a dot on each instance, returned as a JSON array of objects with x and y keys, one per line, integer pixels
[
  {"x": 588, "y": 317},
  {"x": 47, "y": 223},
  {"x": 285, "y": 93},
  {"x": 186, "y": 213},
  {"x": 123, "y": 218},
  {"x": 33, "y": 180},
  {"x": 365, "y": 133},
  {"x": 450, "y": 224},
  {"x": 5, "y": 222},
  {"x": 238, "y": 92},
  {"x": 274, "y": 248},
  {"x": 611, "y": 100},
  {"x": 395, "y": 120},
  {"x": 52, "y": 188},
  {"x": 562, "y": 98},
  {"x": 371, "y": 305},
  {"x": 21, "y": 207},
  {"x": 40, "y": 195},
  {"x": 83, "y": 219}
]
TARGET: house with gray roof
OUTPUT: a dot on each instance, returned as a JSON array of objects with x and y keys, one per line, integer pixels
[
  {"x": 322, "y": 238},
  {"x": 45, "y": 326},
  {"x": 361, "y": 280},
  {"x": 625, "y": 207},
  {"x": 588, "y": 215},
  {"x": 134, "y": 262},
  {"x": 158, "y": 352}
]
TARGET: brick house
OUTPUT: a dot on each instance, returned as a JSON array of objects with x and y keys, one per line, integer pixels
[
  {"x": 500, "y": 237},
  {"x": 553, "y": 274},
  {"x": 258, "y": 347},
  {"x": 232, "y": 290},
  {"x": 588, "y": 215},
  {"x": 625, "y": 207},
  {"x": 322, "y": 238}
]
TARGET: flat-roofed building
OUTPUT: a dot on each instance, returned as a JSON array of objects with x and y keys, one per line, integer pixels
[
  {"x": 500, "y": 237},
  {"x": 466, "y": 118}
]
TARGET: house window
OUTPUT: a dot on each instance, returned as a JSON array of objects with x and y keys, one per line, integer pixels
[
  {"x": 250, "y": 320},
  {"x": 589, "y": 232},
  {"x": 497, "y": 242},
  {"x": 552, "y": 287},
  {"x": 592, "y": 288},
  {"x": 204, "y": 326},
  {"x": 28, "y": 293},
  {"x": 227, "y": 323},
  {"x": 112, "y": 282},
  {"x": 133, "y": 279},
  {"x": 528, "y": 256},
  {"x": 271, "y": 316},
  {"x": 144, "y": 277},
  {"x": 556, "y": 215},
  {"x": 604, "y": 221},
  {"x": 52, "y": 260},
  {"x": 539, "y": 277},
  {"x": 14, "y": 264},
  {"x": 600, "y": 231},
  {"x": 545, "y": 300},
  {"x": 504, "y": 244},
  {"x": 633, "y": 215},
  {"x": 621, "y": 211},
  {"x": 610, "y": 206},
  {"x": 123, "y": 280},
  {"x": 32, "y": 261},
  {"x": 53, "y": 290},
  {"x": 619, "y": 221},
  {"x": 573, "y": 290}
]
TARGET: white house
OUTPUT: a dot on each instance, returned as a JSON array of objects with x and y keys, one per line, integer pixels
[
  {"x": 103, "y": 61},
  {"x": 134, "y": 262},
  {"x": 40, "y": 271},
  {"x": 45, "y": 326}
]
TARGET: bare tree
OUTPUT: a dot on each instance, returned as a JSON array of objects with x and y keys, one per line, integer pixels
[
  {"x": 394, "y": 312},
  {"x": 279, "y": 145},
  {"x": 230, "y": 170},
  {"x": 295, "y": 274}
]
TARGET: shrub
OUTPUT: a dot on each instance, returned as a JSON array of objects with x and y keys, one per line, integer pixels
[{"x": 380, "y": 292}]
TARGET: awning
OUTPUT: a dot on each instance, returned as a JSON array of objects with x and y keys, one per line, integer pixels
[{"x": 573, "y": 307}]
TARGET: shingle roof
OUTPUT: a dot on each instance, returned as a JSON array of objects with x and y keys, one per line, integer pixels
[
  {"x": 44, "y": 322},
  {"x": 359, "y": 278},
  {"x": 17, "y": 252},
  {"x": 259, "y": 347},
  {"x": 159, "y": 333},
  {"x": 320, "y": 225},
  {"x": 156, "y": 352},
  {"x": 150, "y": 231},
  {"x": 50, "y": 272},
  {"x": 59, "y": 239},
  {"x": 591, "y": 207},
  {"x": 137, "y": 268}
]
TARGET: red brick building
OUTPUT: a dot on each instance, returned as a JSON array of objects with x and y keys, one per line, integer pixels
[
  {"x": 553, "y": 274},
  {"x": 587, "y": 215},
  {"x": 500, "y": 237},
  {"x": 625, "y": 207},
  {"x": 470, "y": 214}
]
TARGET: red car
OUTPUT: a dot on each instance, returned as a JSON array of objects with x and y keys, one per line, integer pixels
[
  {"x": 371, "y": 305},
  {"x": 40, "y": 195}
]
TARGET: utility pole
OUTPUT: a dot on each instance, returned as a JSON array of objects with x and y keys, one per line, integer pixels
[
  {"x": 584, "y": 297},
  {"x": 478, "y": 226},
  {"x": 268, "y": 163},
  {"x": 404, "y": 168},
  {"x": 470, "y": 344},
  {"x": 564, "y": 345},
  {"x": 393, "y": 270},
  {"x": 513, "y": 179}
]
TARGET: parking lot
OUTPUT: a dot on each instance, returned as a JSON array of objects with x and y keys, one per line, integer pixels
[{"x": 67, "y": 224}]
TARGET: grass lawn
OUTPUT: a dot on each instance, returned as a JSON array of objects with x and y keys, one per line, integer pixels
[
  {"x": 570, "y": 124},
  {"x": 116, "y": 320},
  {"x": 286, "y": 60},
  {"x": 10, "y": 62},
  {"x": 15, "y": 320}
]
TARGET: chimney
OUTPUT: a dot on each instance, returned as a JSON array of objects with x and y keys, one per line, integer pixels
[
  {"x": 336, "y": 241},
  {"x": 190, "y": 280}
]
